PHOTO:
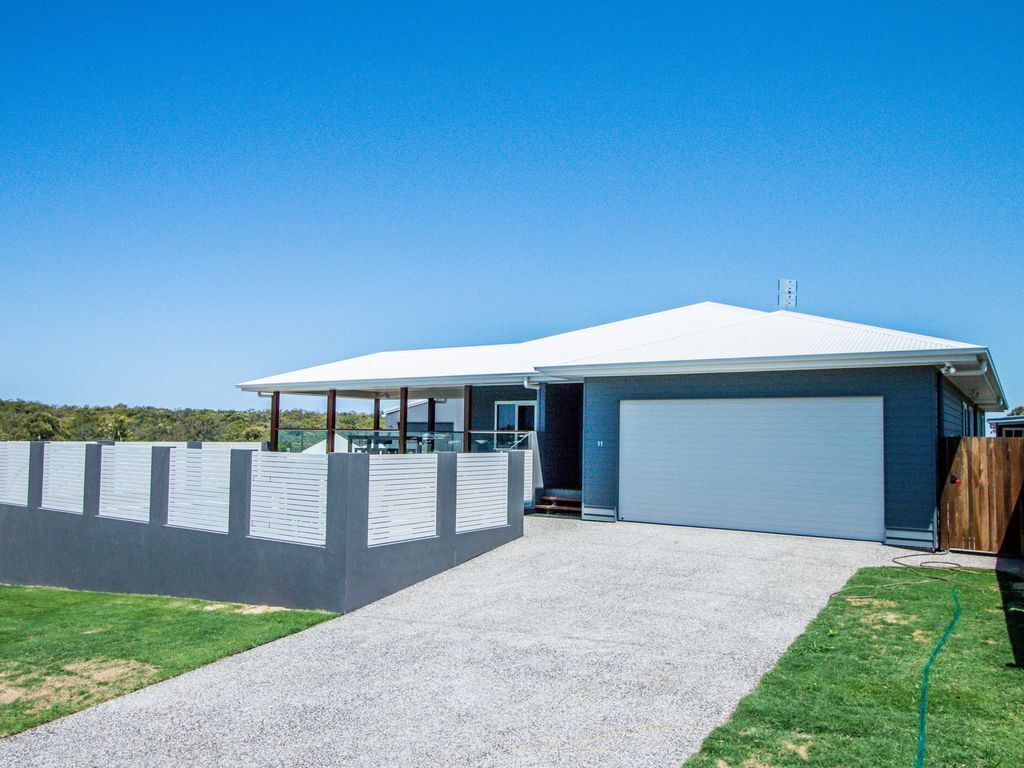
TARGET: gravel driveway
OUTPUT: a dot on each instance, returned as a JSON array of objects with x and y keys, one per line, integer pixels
[{"x": 582, "y": 644}]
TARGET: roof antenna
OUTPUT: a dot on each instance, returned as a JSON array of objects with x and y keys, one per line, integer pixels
[{"x": 787, "y": 294}]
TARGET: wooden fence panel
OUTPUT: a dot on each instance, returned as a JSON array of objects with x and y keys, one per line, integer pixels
[{"x": 981, "y": 497}]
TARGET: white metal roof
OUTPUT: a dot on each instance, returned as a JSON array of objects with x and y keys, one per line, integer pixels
[{"x": 696, "y": 338}]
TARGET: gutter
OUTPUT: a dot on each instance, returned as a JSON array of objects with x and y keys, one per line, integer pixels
[{"x": 963, "y": 355}]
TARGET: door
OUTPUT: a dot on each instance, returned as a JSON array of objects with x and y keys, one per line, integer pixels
[{"x": 812, "y": 466}]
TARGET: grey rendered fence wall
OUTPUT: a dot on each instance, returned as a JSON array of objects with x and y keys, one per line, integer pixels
[{"x": 85, "y": 551}]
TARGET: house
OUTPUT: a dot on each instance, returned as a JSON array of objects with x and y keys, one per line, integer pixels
[
  {"x": 447, "y": 416},
  {"x": 707, "y": 415},
  {"x": 1008, "y": 426}
]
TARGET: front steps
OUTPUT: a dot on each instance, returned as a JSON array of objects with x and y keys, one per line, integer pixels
[{"x": 558, "y": 502}]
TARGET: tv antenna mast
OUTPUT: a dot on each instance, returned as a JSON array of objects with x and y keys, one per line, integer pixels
[{"x": 787, "y": 294}]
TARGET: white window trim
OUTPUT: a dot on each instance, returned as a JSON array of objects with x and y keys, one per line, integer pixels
[
  {"x": 966, "y": 420},
  {"x": 516, "y": 403}
]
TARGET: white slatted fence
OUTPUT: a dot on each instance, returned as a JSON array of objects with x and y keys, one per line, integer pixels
[
  {"x": 14, "y": 457},
  {"x": 125, "y": 476},
  {"x": 64, "y": 477},
  {"x": 199, "y": 489},
  {"x": 481, "y": 492},
  {"x": 289, "y": 497},
  {"x": 403, "y": 498}
]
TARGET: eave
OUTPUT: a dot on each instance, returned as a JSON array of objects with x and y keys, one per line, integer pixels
[{"x": 972, "y": 356}]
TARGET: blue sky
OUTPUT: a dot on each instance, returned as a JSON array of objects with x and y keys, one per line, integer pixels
[{"x": 192, "y": 196}]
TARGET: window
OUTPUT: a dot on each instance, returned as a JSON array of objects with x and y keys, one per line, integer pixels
[
  {"x": 966, "y": 420},
  {"x": 514, "y": 416},
  {"x": 1013, "y": 432}
]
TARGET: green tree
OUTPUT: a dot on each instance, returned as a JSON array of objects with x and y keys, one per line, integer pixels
[
  {"x": 43, "y": 425},
  {"x": 123, "y": 422},
  {"x": 117, "y": 426},
  {"x": 254, "y": 433}
]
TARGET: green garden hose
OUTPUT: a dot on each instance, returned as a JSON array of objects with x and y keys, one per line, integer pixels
[{"x": 923, "y": 716}]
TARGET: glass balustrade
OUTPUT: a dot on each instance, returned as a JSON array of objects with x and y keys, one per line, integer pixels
[{"x": 386, "y": 441}]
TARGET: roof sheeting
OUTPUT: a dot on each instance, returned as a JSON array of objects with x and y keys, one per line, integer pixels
[
  {"x": 697, "y": 334},
  {"x": 510, "y": 360},
  {"x": 775, "y": 334}
]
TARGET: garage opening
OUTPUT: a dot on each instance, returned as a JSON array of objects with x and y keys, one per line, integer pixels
[{"x": 809, "y": 465}]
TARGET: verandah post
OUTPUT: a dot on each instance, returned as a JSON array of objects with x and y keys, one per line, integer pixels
[
  {"x": 467, "y": 417},
  {"x": 403, "y": 418},
  {"x": 332, "y": 401},
  {"x": 275, "y": 418}
]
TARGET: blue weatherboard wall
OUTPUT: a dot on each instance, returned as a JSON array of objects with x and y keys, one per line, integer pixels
[
  {"x": 952, "y": 420},
  {"x": 911, "y": 424}
]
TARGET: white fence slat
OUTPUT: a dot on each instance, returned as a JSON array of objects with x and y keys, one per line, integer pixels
[
  {"x": 528, "y": 477},
  {"x": 14, "y": 458},
  {"x": 199, "y": 489},
  {"x": 125, "y": 475},
  {"x": 157, "y": 444},
  {"x": 64, "y": 477},
  {"x": 289, "y": 497},
  {"x": 481, "y": 492},
  {"x": 248, "y": 446},
  {"x": 403, "y": 498}
]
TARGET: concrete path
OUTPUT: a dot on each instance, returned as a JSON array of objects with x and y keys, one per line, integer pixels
[{"x": 583, "y": 644}]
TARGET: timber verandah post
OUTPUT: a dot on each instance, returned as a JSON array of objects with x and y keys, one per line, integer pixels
[
  {"x": 275, "y": 418},
  {"x": 467, "y": 417},
  {"x": 403, "y": 418},
  {"x": 332, "y": 401}
]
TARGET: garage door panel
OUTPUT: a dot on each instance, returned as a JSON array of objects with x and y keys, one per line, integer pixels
[{"x": 789, "y": 465}]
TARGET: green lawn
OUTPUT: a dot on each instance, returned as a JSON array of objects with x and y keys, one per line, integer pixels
[
  {"x": 846, "y": 693},
  {"x": 62, "y": 651}
]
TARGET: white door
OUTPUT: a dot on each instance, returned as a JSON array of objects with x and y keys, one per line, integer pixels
[{"x": 811, "y": 466}]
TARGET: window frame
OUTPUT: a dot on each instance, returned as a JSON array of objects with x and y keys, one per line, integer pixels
[{"x": 516, "y": 404}]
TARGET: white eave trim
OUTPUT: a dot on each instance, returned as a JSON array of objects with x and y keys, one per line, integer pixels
[
  {"x": 264, "y": 385},
  {"x": 795, "y": 362}
]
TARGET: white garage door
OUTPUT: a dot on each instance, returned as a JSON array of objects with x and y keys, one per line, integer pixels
[{"x": 810, "y": 466}]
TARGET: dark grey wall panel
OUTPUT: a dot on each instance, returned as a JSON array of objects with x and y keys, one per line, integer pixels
[
  {"x": 910, "y": 424},
  {"x": 560, "y": 430}
]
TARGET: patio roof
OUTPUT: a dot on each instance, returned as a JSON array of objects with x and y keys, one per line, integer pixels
[
  {"x": 1008, "y": 420},
  {"x": 698, "y": 338}
]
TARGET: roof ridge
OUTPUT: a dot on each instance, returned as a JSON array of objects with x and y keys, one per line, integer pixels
[{"x": 651, "y": 342}]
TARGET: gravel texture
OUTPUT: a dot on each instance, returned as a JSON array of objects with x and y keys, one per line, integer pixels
[{"x": 582, "y": 644}]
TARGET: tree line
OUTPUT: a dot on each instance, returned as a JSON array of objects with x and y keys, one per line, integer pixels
[{"x": 27, "y": 420}]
